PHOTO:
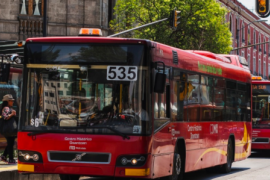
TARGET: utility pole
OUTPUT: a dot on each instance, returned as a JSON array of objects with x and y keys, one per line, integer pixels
[{"x": 45, "y": 19}]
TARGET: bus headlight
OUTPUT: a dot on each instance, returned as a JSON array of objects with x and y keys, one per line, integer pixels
[
  {"x": 134, "y": 161},
  {"x": 131, "y": 160},
  {"x": 35, "y": 157},
  {"x": 29, "y": 156},
  {"x": 26, "y": 157}
]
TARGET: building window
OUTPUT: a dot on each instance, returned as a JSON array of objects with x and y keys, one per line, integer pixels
[
  {"x": 254, "y": 38},
  {"x": 31, "y": 7},
  {"x": 259, "y": 68},
  {"x": 248, "y": 61},
  {"x": 269, "y": 70},
  {"x": 249, "y": 42},
  {"x": 236, "y": 29},
  {"x": 264, "y": 49},
  {"x": 254, "y": 66},
  {"x": 269, "y": 46},
  {"x": 243, "y": 54},
  {"x": 260, "y": 49},
  {"x": 243, "y": 32},
  {"x": 264, "y": 69},
  {"x": 231, "y": 25}
]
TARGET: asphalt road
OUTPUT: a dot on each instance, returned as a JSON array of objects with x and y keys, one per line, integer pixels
[{"x": 256, "y": 167}]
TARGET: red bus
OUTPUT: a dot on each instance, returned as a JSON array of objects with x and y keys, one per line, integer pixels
[
  {"x": 260, "y": 114},
  {"x": 100, "y": 106}
]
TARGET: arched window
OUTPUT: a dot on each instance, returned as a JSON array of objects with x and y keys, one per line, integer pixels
[
  {"x": 260, "y": 49},
  {"x": 231, "y": 25},
  {"x": 243, "y": 32},
  {"x": 264, "y": 49},
  {"x": 268, "y": 70},
  {"x": 249, "y": 42},
  {"x": 259, "y": 68},
  {"x": 254, "y": 38},
  {"x": 269, "y": 47},
  {"x": 254, "y": 66},
  {"x": 264, "y": 69},
  {"x": 236, "y": 29}
]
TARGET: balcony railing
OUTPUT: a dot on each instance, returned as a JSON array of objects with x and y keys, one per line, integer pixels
[{"x": 30, "y": 26}]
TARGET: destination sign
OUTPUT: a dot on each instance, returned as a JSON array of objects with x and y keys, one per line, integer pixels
[{"x": 261, "y": 88}]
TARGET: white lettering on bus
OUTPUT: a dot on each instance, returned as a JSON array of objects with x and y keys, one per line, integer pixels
[
  {"x": 79, "y": 143},
  {"x": 77, "y": 139},
  {"x": 70, "y": 139},
  {"x": 213, "y": 128},
  {"x": 84, "y": 139},
  {"x": 194, "y": 128},
  {"x": 194, "y": 136}
]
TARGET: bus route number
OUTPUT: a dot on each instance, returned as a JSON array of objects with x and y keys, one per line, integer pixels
[{"x": 122, "y": 73}]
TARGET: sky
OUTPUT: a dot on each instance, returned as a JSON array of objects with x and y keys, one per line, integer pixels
[{"x": 250, "y": 4}]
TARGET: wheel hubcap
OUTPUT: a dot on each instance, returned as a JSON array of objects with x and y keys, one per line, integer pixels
[{"x": 178, "y": 164}]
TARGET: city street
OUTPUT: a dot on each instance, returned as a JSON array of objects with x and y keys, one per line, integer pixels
[{"x": 256, "y": 167}]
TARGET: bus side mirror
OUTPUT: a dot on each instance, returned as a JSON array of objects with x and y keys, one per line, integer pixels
[{"x": 160, "y": 81}]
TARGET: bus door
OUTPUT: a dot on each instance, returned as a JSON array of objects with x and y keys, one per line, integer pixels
[{"x": 163, "y": 147}]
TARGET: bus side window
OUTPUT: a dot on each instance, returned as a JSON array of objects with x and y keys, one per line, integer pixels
[
  {"x": 231, "y": 101},
  {"x": 248, "y": 101},
  {"x": 206, "y": 89},
  {"x": 241, "y": 102},
  {"x": 179, "y": 97},
  {"x": 194, "y": 98}
]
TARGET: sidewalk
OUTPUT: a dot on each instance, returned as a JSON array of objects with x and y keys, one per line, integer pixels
[
  {"x": 9, "y": 172},
  {"x": 5, "y": 167}
]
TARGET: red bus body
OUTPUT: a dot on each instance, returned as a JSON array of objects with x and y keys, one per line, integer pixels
[
  {"x": 261, "y": 126},
  {"x": 203, "y": 143}
]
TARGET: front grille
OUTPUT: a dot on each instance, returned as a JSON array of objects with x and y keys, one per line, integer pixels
[
  {"x": 79, "y": 157},
  {"x": 260, "y": 140}
]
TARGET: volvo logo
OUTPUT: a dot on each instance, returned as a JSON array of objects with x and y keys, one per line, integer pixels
[{"x": 78, "y": 157}]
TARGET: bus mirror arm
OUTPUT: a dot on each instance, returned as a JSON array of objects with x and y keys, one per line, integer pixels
[{"x": 160, "y": 78}]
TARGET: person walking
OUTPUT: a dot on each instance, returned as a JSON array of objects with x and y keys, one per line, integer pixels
[{"x": 7, "y": 114}]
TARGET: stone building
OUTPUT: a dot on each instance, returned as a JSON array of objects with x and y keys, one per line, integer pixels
[
  {"x": 246, "y": 31},
  {"x": 20, "y": 19}
]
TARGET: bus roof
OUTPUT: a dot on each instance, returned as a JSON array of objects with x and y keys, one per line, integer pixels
[
  {"x": 260, "y": 82},
  {"x": 86, "y": 39}
]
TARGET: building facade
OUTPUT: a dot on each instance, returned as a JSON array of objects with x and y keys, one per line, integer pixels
[
  {"x": 247, "y": 30},
  {"x": 20, "y": 19}
]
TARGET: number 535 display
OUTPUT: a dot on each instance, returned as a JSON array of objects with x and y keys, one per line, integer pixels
[{"x": 122, "y": 73}]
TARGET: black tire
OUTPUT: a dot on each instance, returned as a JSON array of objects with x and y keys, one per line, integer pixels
[
  {"x": 69, "y": 177},
  {"x": 226, "y": 168},
  {"x": 178, "y": 167}
]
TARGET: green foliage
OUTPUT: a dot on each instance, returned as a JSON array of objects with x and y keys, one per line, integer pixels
[{"x": 202, "y": 24}]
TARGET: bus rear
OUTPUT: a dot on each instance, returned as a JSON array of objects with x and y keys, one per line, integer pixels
[
  {"x": 260, "y": 114},
  {"x": 85, "y": 108}
]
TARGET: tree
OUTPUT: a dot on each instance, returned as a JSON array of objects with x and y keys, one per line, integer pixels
[{"x": 202, "y": 23}]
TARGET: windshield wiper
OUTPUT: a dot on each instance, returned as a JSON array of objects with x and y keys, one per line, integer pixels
[{"x": 114, "y": 130}]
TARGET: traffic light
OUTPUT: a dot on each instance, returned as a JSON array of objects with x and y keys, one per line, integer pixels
[
  {"x": 174, "y": 19},
  {"x": 262, "y": 8}
]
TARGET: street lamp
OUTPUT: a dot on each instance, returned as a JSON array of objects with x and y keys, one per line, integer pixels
[{"x": 237, "y": 36}]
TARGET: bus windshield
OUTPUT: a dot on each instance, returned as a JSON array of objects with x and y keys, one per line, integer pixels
[
  {"x": 261, "y": 106},
  {"x": 88, "y": 98}
]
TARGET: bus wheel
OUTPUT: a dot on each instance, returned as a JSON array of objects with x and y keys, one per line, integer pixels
[
  {"x": 177, "y": 171},
  {"x": 225, "y": 168},
  {"x": 69, "y": 177}
]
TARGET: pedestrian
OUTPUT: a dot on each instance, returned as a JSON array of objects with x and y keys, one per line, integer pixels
[{"x": 7, "y": 114}]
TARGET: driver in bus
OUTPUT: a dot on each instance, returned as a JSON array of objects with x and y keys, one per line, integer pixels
[{"x": 138, "y": 110}]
